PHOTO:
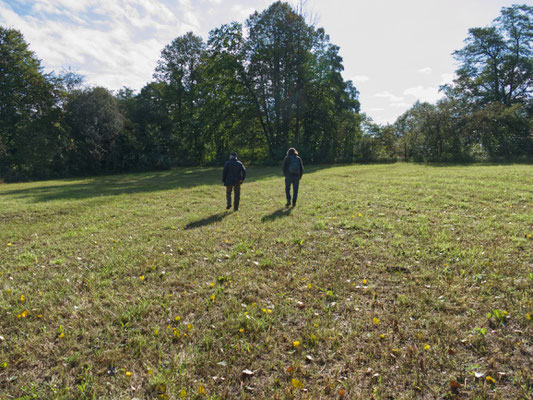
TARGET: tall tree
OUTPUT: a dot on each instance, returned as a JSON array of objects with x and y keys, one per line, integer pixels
[
  {"x": 31, "y": 136},
  {"x": 178, "y": 69},
  {"x": 496, "y": 63}
]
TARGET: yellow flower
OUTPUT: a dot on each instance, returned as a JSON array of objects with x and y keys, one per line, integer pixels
[
  {"x": 177, "y": 318},
  {"x": 376, "y": 320},
  {"x": 128, "y": 373},
  {"x": 295, "y": 344},
  {"x": 201, "y": 389},
  {"x": 309, "y": 286},
  {"x": 264, "y": 310},
  {"x": 490, "y": 379},
  {"x": 189, "y": 326},
  {"x": 212, "y": 284},
  {"x": 183, "y": 393},
  {"x": 296, "y": 383},
  {"x": 9, "y": 244},
  {"x": 150, "y": 372},
  {"x": 269, "y": 311},
  {"x": 382, "y": 336},
  {"x": 241, "y": 330},
  {"x": 24, "y": 313},
  {"x": 253, "y": 304},
  {"x": 156, "y": 332},
  {"x": 61, "y": 335},
  {"x": 364, "y": 281},
  {"x": 212, "y": 297},
  {"x": 40, "y": 316},
  {"x": 141, "y": 278},
  {"x": 360, "y": 214},
  {"x": 427, "y": 347},
  {"x": 528, "y": 317},
  {"x": 22, "y": 297}
]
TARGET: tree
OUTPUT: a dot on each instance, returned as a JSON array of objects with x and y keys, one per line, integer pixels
[
  {"x": 31, "y": 136},
  {"x": 96, "y": 125},
  {"x": 178, "y": 69},
  {"x": 496, "y": 63}
]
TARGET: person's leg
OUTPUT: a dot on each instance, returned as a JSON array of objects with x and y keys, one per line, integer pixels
[
  {"x": 228, "y": 196},
  {"x": 237, "y": 196},
  {"x": 295, "y": 185},
  {"x": 288, "y": 190}
]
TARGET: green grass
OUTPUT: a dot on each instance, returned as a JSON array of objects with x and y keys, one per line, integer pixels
[{"x": 385, "y": 281}]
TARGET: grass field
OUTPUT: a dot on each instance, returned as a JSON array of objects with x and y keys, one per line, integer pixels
[{"x": 385, "y": 281}]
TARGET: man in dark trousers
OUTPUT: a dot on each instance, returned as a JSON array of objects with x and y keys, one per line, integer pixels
[
  {"x": 293, "y": 169},
  {"x": 233, "y": 175}
]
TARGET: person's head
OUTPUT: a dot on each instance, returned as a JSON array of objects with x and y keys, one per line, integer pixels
[
  {"x": 233, "y": 155},
  {"x": 292, "y": 152}
]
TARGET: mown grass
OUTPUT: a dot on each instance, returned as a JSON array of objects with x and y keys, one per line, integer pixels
[{"x": 386, "y": 282}]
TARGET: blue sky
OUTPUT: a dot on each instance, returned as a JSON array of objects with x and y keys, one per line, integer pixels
[{"x": 395, "y": 51}]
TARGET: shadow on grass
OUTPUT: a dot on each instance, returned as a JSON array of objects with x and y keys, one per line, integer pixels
[
  {"x": 207, "y": 220},
  {"x": 282, "y": 212},
  {"x": 113, "y": 185}
]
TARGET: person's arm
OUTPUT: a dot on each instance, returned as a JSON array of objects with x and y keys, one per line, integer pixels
[
  {"x": 284, "y": 166},
  {"x": 224, "y": 172},
  {"x": 243, "y": 172},
  {"x": 301, "y": 167}
]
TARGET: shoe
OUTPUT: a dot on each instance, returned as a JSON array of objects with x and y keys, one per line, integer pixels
[
  {"x": 288, "y": 204},
  {"x": 294, "y": 204},
  {"x": 235, "y": 209},
  {"x": 228, "y": 207}
]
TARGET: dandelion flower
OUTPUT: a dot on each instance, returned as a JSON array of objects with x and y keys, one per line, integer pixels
[
  {"x": 22, "y": 297},
  {"x": 295, "y": 344},
  {"x": 427, "y": 347},
  {"x": 360, "y": 214},
  {"x": 376, "y": 320},
  {"x": 212, "y": 284},
  {"x": 141, "y": 278},
  {"x": 490, "y": 379},
  {"x": 212, "y": 297},
  {"x": 177, "y": 318},
  {"x": 296, "y": 383},
  {"x": 364, "y": 281},
  {"x": 61, "y": 335},
  {"x": 201, "y": 389},
  {"x": 128, "y": 373},
  {"x": 241, "y": 330},
  {"x": 24, "y": 313},
  {"x": 189, "y": 326},
  {"x": 269, "y": 311},
  {"x": 528, "y": 317},
  {"x": 309, "y": 286}
]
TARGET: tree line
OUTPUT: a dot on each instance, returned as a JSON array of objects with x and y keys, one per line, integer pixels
[
  {"x": 486, "y": 113},
  {"x": 258, "y": 88}
]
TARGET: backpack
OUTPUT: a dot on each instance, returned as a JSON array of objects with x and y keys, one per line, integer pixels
[{"x": 294, "y": 165}]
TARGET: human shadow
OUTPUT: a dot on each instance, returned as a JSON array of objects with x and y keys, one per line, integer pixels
[
  {"x": 207, "y": 220},
  {"x": 282, "y": 212},
  {"x": 131, "y": 183}
]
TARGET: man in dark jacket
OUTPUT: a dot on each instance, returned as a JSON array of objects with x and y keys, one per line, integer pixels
[
  {"x": 233, "y": 175},
  {"x": 293, "y": 169}
]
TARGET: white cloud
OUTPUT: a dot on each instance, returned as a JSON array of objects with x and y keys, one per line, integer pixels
[
  {"x": 360, "y": 78},
  {"x": 242, "y": 11},
  {"x": 430, "y": 94},
  {"x": 389, "y": 96},
  {"x": 426, "y": 70}
]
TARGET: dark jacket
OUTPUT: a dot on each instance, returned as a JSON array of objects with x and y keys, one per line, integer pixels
[
  {"x": 234, "y": 172},
  {"x": 286, "y": 163}
]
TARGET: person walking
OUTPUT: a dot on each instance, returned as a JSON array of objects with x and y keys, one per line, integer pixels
[
  {"x": 233, "y": 175},
  {"x": 293, "y": 169}
]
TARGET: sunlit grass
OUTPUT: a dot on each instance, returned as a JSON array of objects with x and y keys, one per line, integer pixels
[{"x": 390, "y": 280}]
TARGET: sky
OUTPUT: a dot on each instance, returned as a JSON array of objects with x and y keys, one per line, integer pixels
[{"x": 395, "y": 51}]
